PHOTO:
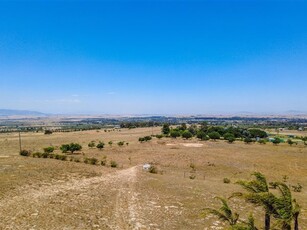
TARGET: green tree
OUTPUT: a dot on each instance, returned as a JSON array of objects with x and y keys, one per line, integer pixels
[
  {"x": 65, "y": 148},
  {"x": 100, "y": 145},
  {"x": 276, "y": 141},
  {"x": 248, "y": 140},
  {"x": 254, "y": 133},
  {"x": 175, "y": 133},
  {"x": 183, "y": 127},
  {"x": 187, "y": 134},
  {"x": 229, "y": 137},
  {"x": 202, "y": 135},
  {"x": 72, "y": 147},
  {"x": 166, "y": 129},
  {"x": 214, "y": 135}
]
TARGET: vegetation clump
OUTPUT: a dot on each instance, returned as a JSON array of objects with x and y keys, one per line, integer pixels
[
  {"x": 91, "y": 144},
  {"x": 113, "y": 164},
  {"x": 100, "y": 145},
  {"x": 72, "y": 147},
  {"x": 25, "y": 153},
  {"x": 49, "y": 149}
]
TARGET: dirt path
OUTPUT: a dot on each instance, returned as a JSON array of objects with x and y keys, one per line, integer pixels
[{"x": 107, "y": 202}]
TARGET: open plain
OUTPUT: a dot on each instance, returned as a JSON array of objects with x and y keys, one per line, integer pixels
[{"x": 39, "y": 193}]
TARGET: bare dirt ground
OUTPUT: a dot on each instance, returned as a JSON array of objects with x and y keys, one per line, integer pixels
[{"x": 52, "y": 194}]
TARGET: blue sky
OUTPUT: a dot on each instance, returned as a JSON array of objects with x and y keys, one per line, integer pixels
[{"x": 153, "y": 57}]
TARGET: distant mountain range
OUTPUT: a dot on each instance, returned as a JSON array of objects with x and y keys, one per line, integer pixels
[{"x": 13, "y": 112}]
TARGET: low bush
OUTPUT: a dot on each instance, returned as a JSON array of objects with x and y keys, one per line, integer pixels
[
  {"x": 113, "y": 164},
  {"x": 91, "y": 144},
  {"x": 49, "y": 149},
  {"x": 226, "y": 180},
  {"x": 159, "y": 136},
  {"x": 192, "y": 176},
  {"x": 37, "y": 155},
  {"x": 25, "y": 153},
  {"x": 120, "y": 143},
  {"x": 297, "y": 188},
  {"x": 153, "y": 169},
  {"x": 45, "y": 155},
  {"x": 60, "y": 157}
]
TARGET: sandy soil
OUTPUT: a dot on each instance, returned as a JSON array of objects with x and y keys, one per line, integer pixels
[
  {"x": 51, "y": 194},
  {"x": 72, "y": 200}
]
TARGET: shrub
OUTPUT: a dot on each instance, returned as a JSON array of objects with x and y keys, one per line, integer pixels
[
  {"x": 92, "y": 161},
  {"x": 193, "y": 167},
  {"x": 45, "y": 155},
  {"x": 100, "y": 145},
  {"x": 113, "y": 164},
  {"x": 192, "y": 176},
  {"x": 248, "y": 140},
  {"x": 159, "y": 136},
  {"x": 48, "y": 132},
  {"x": 262, "y": 141},
  {"x": 120, "y": 143},
  {"x": 51, "y": 155},
  {"x": 141, "y": 139},
  {"x": 226, "y": 180},
  {"x": 290, "y": 142},
  {"x": 297, "y": 188},
  {"x": 60, "y": 157},
  {"x": 64, "y": 148},
  {"x": 49, "y": 149},
  {"x": 110, "y": 143},
  {"x": 91, "y": 144},
  {"x": 37, "y": 154},
  {"x": 25, "y": 153},
  {"x": 147, "y": 138},
  {"x": 153, "y": 169}
]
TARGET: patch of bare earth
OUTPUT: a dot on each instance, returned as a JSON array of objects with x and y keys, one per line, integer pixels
[{"x": 105, "y": 202}]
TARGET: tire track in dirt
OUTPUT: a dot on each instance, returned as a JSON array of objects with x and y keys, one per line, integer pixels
[{"x": 19, "y": 212}]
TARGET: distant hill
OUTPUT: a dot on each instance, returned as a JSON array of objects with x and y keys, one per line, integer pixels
[{"x": 13, "y": 112}]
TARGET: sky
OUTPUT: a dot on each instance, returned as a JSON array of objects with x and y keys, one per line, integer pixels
[{"x": 153, "y": 57}]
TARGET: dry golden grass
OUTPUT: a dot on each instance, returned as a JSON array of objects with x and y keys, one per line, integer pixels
[{"x": 127, "y": 197}]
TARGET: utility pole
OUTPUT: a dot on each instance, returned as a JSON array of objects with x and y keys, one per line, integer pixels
[{"x": 19, "y": 142}]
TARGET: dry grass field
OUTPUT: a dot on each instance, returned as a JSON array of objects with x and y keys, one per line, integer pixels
[{"x": 37, "y": 193}]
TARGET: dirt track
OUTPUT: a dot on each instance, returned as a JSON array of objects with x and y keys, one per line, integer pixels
[{"x": 77, "y": 204}]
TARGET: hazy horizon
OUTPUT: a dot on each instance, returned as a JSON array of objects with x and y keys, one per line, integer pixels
[{"x": 164, "y": 57}]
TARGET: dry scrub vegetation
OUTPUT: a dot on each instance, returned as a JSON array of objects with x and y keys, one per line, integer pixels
[{"x": 43, "y": 193}]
